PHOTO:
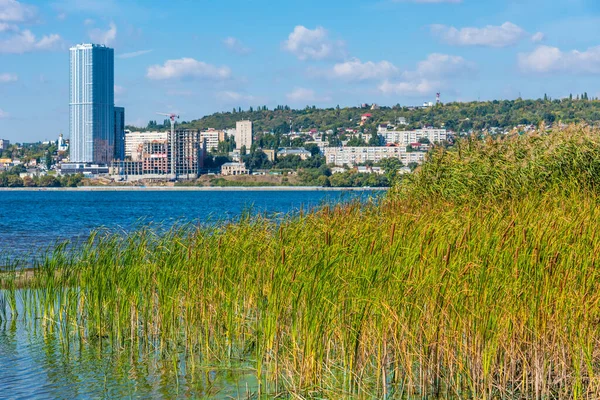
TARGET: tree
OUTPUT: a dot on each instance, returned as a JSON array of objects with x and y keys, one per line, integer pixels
[{"x": 48, "y": 160}]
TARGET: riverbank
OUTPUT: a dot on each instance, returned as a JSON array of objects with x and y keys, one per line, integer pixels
[{"x": 198, "y": 189}]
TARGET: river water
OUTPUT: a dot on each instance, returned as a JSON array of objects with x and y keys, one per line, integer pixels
[{"x": 39, "y": 366}]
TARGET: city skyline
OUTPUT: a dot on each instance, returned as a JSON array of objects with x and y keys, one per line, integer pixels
[{"x": 346, "y": 53}]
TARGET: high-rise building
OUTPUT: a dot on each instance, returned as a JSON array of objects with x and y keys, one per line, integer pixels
[
  {"x": 243, "y": 134},
  {"x": 92, "y": 104},
  {"x": 4, "y": 144},
  {"x": 119, "y": 131}
]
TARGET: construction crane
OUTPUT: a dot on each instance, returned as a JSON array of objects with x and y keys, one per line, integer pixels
[{"x": 172, "y": 118}]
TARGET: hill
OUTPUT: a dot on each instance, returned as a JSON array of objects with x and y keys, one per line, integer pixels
[{"x": 460, "y": 117}]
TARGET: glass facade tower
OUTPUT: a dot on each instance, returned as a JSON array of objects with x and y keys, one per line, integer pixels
[{"x": 92, "y": 103}]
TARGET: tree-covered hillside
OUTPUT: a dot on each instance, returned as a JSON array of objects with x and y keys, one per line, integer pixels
[{"x": 455, "y": 116}]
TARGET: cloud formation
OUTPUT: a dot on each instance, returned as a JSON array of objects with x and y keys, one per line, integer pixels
[
  {"x": 546, "y": 59},
  {"x": 356, "y": 70},
  {"x": 187, "y": 68},
  {"x": 313, "y": 44},
  {"x": 14, "y": 11},
  {"x": 304, "y": 95},
  {"x": 234, "y": 97},
  {"x": 507, "y": 34},
  {"x": 106, "y": 37},
  {"x": 3, "y": 114},
  {"x": 236, "y": 45},
  {"x": 8, "y": 78},
  {"x": 134, "y": 54},
  {"x": 26, "y": 42},
  {"x": 429, "y": 76}
]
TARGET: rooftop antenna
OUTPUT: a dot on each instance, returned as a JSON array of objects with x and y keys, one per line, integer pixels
[{"x": 172, "y": 118}]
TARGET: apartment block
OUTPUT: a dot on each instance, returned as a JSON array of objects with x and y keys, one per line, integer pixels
[{"x": 352, "y": 156}]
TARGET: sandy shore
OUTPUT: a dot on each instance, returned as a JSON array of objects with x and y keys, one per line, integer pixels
[{"x": 196, "y": 189}]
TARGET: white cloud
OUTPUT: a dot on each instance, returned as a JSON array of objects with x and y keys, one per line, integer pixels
[
  {"x": 3, "y": 114},
  {"x": 410, "y": 88},
  {"x": 356, "y": 70},
  {"x": 313, "y": 44},
  {"x": 187, "y": 68},
  {"x": 14, "y": 11},
  {"x": 231, "y": 96},
  {"x": 546, "y": 59},
  {"x": 25, "y": 42},
  {"x": 301, "y": 95},
  {"x": 442, "y": 65},
  {"x": 504, "y": 35},
  {"x": 538, "y": 37},
  {"x": 119, "y": 90},
  {"x": 89, "y": 21},
  {"x": 4, "y": 27},
  {"x": 429, "y": 76},
  {"x": 134, "y": 54},
  {"x": 236, "y": 45},
  {"x": 7, "y": 78},
  {"x": 106, "y": 37}
]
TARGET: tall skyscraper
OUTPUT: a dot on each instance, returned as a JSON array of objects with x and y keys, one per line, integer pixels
[
  {"x": 92, "y": 102},
  {"x": 243, "y": 134},
  {"x": 119, "y": 131}
]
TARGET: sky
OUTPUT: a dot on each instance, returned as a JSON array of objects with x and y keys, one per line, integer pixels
[{"x": 196, "y": 57}]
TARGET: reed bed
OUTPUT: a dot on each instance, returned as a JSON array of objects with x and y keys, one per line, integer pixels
[{"x": 456, "y": 289}]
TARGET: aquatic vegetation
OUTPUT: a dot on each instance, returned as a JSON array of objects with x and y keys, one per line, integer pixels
[{"x": 477, "y": 278}]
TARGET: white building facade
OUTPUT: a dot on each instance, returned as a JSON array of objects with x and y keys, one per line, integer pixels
[
  {"x": 352, "y": 156},
  {"x": 91, "y": 106},
  {"x": 243, "y": 134},
  {"x": 404, "y": 138},
  {"x": 134, "y": 143}
]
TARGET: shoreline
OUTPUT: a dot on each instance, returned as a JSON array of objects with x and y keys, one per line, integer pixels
[{"x": 196, "y": 189}]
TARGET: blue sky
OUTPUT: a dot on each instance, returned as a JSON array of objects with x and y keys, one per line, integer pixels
[{"x": 196, "y": 57}]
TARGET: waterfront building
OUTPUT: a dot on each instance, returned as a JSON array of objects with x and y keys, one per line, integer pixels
[
  {"x": 243, "y": 134},
  {"x": 134, "y": 142},
  {"x": 4, "y": 144},
  {"x": 212, "y": 138},
  {"x": 189, "y": 154},
  {"x": 155, "y": 156},
  {"x": 92, "y": 104},
  {"x": 234, "y": 168},
  {"x": 352, "y": 156},
  {"x": 119, "y": 133}
]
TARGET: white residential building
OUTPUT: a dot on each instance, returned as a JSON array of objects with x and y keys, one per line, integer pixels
[
  {"x": 358, "y": 155},
  {"x": 134, "y": 142},
  {"x": 212, "y": 138},
  {"x": 404, "y": 138},
  {"x": 243, "y": 134}
]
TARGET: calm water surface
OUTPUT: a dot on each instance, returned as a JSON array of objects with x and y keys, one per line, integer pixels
[
  {"x": 33, "y": 221},
  {"x": 39, "y": 366}
]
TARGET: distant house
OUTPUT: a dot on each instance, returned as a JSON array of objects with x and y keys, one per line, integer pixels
[
  {"x": 234, "y": 168},
  {"x": 300, "y": 151}
]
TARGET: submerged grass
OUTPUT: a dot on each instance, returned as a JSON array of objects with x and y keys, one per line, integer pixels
[{"x": 477, "y": 279}]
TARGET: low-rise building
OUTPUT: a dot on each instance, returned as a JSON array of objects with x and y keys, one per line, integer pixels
[
  {"x": 352, "y": 156},
  {"x": 234, "y": 168},
  {"x": 290, "y": 151}
]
